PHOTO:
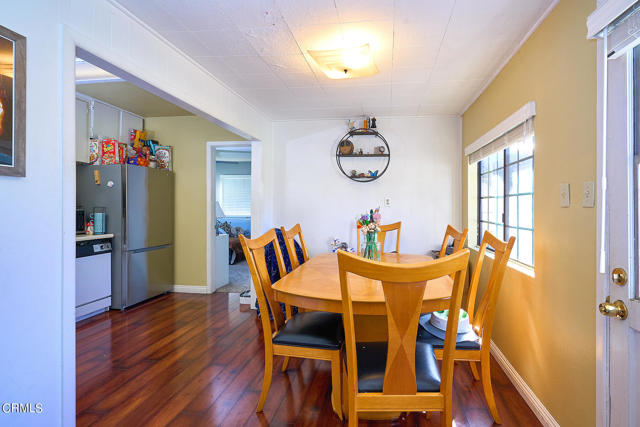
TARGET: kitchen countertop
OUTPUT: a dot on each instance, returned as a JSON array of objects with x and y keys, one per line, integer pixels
[{"x": 83, "y": 237}]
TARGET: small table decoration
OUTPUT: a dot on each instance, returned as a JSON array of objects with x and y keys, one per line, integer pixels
[{"x": 369, "y": 226}]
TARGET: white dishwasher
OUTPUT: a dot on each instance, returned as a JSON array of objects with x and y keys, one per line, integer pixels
[{"x": 93, "y": 277}]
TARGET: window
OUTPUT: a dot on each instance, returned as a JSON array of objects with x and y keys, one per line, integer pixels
[
  {"x": 235, "y": 195},
  {"x": 505, "y": 192}
]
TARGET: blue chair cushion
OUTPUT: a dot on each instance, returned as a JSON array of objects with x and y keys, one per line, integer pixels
[
  {"x": 429, "y": 334},
  {"x": 272, "y": 263},
  {"x": 372, "y": 361},
  {"x": 315, "y": 329}
]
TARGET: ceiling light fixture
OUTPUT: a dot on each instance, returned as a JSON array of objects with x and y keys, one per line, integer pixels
[{"x": 346, "y": 63}]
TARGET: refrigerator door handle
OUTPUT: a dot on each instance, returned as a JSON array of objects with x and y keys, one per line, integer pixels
[{"x": 152, "y": 248}]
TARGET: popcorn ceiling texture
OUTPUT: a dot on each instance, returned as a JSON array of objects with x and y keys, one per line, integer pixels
[{"x": 433, "y": 56}]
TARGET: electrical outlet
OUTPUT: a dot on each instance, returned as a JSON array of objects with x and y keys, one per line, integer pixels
[
  {"x": 588, "y": 194},
  {"x": 565, "y": 200},
  {"x": 387, "y": 201}
]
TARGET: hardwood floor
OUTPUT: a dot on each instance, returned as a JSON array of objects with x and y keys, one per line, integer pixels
[{"x": 186, "y": 359}]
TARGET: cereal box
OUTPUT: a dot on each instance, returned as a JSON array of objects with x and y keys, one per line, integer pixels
[
  {"x": 95, "y": 151},
  {"x": 122, "y": 153},
  {"x": 164, "y": 157},
  {"x": 109, "y": 151}
]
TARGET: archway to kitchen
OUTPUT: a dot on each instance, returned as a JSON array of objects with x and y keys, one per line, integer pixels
[{"x": 72, "y": 50}]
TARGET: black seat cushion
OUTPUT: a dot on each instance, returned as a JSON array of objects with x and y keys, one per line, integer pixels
[
  {"x": 372, "y": 360},
  {"x": 466, "y": 341},
  {"x": 316, "y": 329}
]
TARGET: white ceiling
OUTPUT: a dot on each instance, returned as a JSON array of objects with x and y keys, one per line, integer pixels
[{"x": 434, "y": 56}]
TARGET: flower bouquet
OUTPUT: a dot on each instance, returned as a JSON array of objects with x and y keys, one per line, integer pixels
[{"x": 369, "y": 226}]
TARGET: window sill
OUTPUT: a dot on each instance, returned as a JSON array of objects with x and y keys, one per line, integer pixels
[{"x": 514, "y": 265}]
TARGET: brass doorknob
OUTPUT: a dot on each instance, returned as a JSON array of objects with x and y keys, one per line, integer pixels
[
  {"x": 614, "y": 309},
  {"x": 619, "y": 276}
]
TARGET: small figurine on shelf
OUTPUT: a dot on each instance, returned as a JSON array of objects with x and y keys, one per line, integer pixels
[
  {"x": 354, "y": 173},
  {"x": 373, "y": 123},
  {"x": 360, "y": 152},
  {"x": 373, "y": 174},
  {"x": 352, "y": 124}
]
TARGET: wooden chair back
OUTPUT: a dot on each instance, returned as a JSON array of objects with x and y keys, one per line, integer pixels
[
  {"x": 403, "y": 286},
  {"x": 482, "y": 320},
  {"x": 458, "y": 240},
  {"x": 289, "y": 241},
  {"x": 254, "y": 251},
  {"x": 382, "y": 235}
]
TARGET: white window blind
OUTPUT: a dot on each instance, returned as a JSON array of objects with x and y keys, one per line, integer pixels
[
  {"x": 520, "y": 135},
  {"x": 235, "y": 194}
]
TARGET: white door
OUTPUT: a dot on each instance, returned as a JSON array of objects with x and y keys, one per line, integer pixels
[
  {"x": 129, "y": 121},
  {"x": 106, "y": 121},
  {"x": 622, "y": 212}
]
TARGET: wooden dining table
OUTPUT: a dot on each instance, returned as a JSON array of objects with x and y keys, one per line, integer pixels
[{"x": 315, "y": 285}]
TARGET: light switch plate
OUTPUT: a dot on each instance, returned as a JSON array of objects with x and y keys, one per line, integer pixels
[
  {"x": 588, "y": 194},
  {"x": 564, "y": 195},
  {"x": 387, "y": 201}
]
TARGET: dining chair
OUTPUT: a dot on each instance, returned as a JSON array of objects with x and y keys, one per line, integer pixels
[
  {"x": 400, "y": 374},
  {"x": 289, "y": 242},
  {"x": 311, "y": 335},
  {"x": 474, "y": 346},
  {"x": 382, "y": 235},
  {"x": 458, "y": 240}
]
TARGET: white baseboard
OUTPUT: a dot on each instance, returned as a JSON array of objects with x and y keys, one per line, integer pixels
[
  {"x": 527, "y": 394},
  {"x": 191, "y": 289}
]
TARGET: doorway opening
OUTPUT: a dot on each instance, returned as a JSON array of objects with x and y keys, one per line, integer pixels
[{"x": 231, "y": 202}]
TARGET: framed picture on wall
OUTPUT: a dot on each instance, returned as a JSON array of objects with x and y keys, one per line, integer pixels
[{"x": 13, "y": 88}]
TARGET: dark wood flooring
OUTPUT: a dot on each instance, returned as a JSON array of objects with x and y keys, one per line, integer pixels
[{"x": 186, "y": 360}]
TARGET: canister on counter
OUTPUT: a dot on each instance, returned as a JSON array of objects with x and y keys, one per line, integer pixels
[{"x": 99, "y": 220}]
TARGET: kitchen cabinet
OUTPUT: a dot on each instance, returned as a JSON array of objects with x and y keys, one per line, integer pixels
[
  {"x": 82, "y": 130},
  {"x": 106, "y": 120},
  {"x": 129, "y": 121},
  {"x": 97, "y": 119}
]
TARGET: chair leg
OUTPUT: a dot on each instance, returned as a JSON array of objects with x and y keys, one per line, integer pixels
[
  {"x": 427, "y": 415},
  {"x": 336, "y": 386},
  {"x": 474, "y": 370},
  {"x": 266, "y": 384},
  {"x": 446, "y": 416},
  {"x": 285, "y": 363},
  {"x": 353, "y": 414},
  {"x": 485, "y": 367}
]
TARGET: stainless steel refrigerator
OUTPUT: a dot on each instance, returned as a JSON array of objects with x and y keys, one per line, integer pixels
[{"x": 139, "y": 205}]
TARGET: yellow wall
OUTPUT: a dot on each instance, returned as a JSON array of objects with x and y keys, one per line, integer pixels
[
  {"x": 188, "y": 136},
  {"x": 546, "y": 326}
]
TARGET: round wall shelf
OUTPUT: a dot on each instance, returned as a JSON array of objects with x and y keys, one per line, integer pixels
[{"x": 361, "y": 167}]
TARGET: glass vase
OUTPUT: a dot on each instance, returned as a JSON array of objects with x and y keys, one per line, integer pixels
[{"x": 370, "y": 247}]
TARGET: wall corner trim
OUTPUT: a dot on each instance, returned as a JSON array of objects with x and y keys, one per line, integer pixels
[
  {"x": 523, "y": 114},
  {"x": 191, "y": 289},
  {"x": 527, "y": 394}
]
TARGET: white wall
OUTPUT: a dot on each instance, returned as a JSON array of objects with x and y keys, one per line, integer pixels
[
  {"x": 423, "y": 181},
  {"x": 37, "y": 278}
]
